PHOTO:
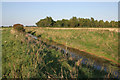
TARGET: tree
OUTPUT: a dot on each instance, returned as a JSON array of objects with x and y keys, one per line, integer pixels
[
  {"x": 65, "y": 23},
  {"x": 41, "y": 23},
  {"x": 107, "y": 24},
  {"x": 58, "y": 23},
  {"x": 10, "y": 26},
  {"x": 118, "y": 24},
  {"x": 92, "y": 22},
  {"x": 47, "y": 22},
  {"x": 74, "y": 22},
  {"x": 80, "y": 22},
  {"x": 112, "y": 23},
  {"x": 86, "y": 23},
  {"x": 101, "y": 23},
  {"x": 96, "y": 23}
]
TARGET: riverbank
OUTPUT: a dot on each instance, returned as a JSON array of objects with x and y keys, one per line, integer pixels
[
  {"x": 41, "y": 60},
  {"x": 102, "y": 43},
  {"x": 84, "y": 57}
]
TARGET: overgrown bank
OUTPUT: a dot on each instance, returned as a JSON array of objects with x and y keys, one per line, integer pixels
[
  {"x": 25, "y": 57},
  {"x": 99, "y": 42}
]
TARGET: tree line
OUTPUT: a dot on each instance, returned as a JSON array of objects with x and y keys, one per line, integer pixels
[{"x": 75, "y": 22}]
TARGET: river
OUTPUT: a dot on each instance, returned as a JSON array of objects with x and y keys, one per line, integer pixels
[{"x": 87, "y": 59}]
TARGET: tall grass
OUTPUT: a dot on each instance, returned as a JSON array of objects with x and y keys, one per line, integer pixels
[
  {"x": 99, "y": 42},
  {"x": 25, "y": 57}
]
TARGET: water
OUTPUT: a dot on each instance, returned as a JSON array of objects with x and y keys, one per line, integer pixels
[
  {"x": 87, "y": 59},
  {"x": 33, "y": 36}
]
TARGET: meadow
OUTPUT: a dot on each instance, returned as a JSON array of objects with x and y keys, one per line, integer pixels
[
  {"x": 100, "y": 42},
  {"x": 26, "y": 57}
]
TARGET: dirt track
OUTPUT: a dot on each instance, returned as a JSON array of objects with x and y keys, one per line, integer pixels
[{"x": 110, "y": 29}]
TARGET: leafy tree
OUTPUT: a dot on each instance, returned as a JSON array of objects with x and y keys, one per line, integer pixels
[
  {"x": 101, "y": 23},
  {"x": 10, "y": 26},
  {"x": 118, "y": 24},
  {"x": 96, "y": 23},
  {"x": 92, "y": 22},
  {"x": 75, "y": 22},
  {"x": 107, "y": 24},
  {"x": 47, "y": 22},
  {"x": 65, "y": 23},
  {"x": 112, "y": 23},
  {"x": 80, "y": 22},
  {"x": 58, "y": 23},
  {"x": 40, "y": 23},
  {"x": 86, "y": 22}
]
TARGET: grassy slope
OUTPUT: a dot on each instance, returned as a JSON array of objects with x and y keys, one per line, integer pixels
[
  {"x": 24, "y": 57},
  {"x": 99, "y": 42}
]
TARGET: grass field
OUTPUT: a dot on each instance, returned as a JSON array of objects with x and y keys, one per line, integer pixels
[
  {"x": 99, "y": 42},
  {"x": 25, "y": 57}
]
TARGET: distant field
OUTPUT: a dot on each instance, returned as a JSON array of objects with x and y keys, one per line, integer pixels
[
  {"x": 109, "y": 29},
  {"x": 102, "y": 42}
]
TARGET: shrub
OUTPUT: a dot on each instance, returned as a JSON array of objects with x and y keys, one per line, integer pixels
[{"x": 19, "y": 27}]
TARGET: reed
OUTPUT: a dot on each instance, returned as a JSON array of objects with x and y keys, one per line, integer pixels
[{"x": 33, "y": 59}]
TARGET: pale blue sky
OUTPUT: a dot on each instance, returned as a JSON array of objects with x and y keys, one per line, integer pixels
[{"x": 28, "y": 13}]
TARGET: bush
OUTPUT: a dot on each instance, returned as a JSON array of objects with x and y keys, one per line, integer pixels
[{"x": 19, "y": 27}]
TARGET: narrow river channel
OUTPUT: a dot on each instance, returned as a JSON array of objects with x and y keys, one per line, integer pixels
[{"x": 87, "y": 59}]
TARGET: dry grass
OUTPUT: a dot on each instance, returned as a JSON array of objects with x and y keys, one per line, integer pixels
[
  {"x": 99, "y": 41},
  {"x": 91, "y": 29}
]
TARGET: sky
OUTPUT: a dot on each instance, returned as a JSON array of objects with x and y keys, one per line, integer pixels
[
  {"x": 28, "y": 13},
  {"x": 60, "y": 0}
]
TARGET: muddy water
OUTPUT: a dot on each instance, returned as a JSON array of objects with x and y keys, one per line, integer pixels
[{"x": 87, "y": 59}]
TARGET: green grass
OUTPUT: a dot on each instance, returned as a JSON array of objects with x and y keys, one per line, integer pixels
[
  {"x": 99, "y": 42},
  {"x": 25, "y": 57}
]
